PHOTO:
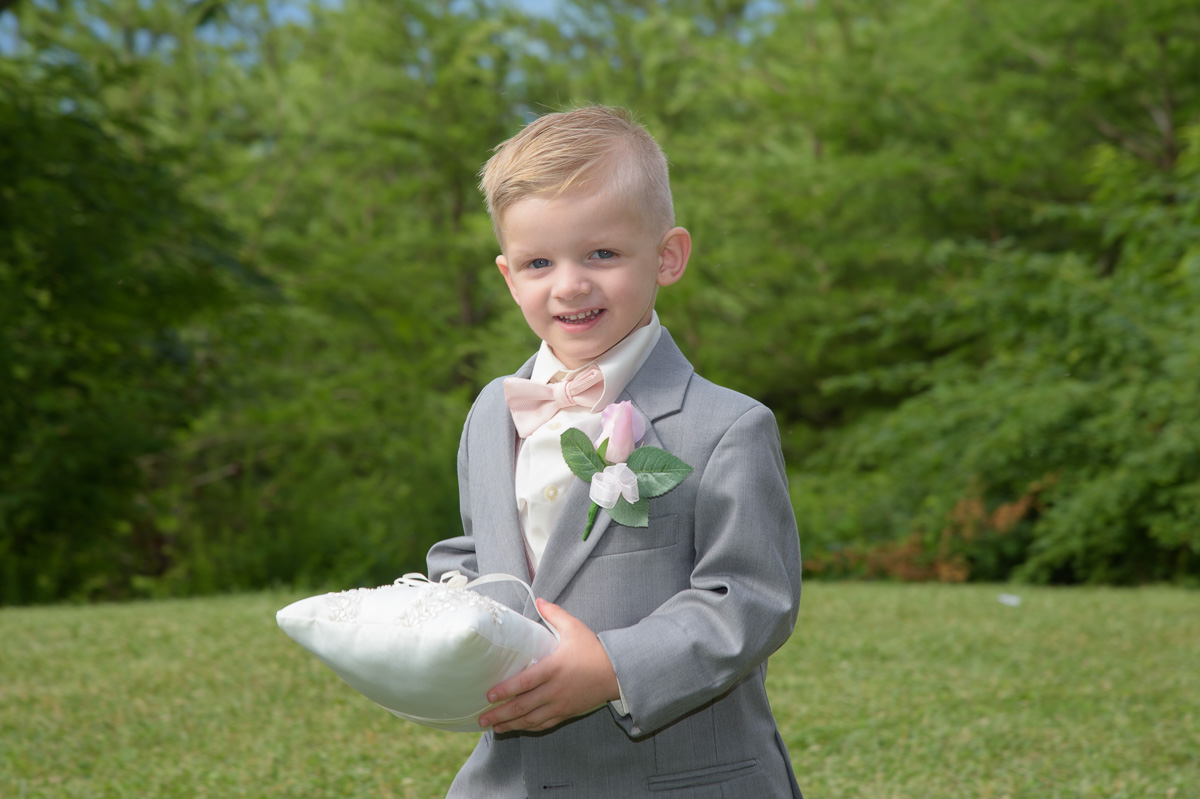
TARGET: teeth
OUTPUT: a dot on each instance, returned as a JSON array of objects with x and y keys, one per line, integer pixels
[{"x": 576, "y": 317}]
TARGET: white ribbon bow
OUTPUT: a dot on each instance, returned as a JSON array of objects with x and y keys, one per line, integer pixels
[
  {"x": 452, "y": 579},
  {"x": 615, "y": 481}
]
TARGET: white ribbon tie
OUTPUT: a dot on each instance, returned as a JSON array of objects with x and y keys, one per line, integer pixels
[{"x": 614, "y": 482}]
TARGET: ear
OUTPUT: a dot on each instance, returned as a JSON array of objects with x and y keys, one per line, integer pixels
[
  {"x": 673, "y": 255},
  {"x": 502, "y": 264}
]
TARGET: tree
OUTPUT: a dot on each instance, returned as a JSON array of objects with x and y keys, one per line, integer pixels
[
  {"x": 1030, "y": 291},
  {"x": 103, "y": 265}
]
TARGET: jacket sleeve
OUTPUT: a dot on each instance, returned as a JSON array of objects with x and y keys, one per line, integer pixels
[
  {"x": 458, "y": 553},
  {"x": 744, "y": 591}
]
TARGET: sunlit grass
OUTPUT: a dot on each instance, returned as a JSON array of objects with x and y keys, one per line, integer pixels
[
  {"x": 884, "y": 691},
  {"x": 938, "y": 691}
]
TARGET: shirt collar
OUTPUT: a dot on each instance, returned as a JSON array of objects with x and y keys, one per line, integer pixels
[{"x": 618, "y": 365}]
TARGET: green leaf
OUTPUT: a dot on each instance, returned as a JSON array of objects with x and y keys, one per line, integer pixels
[
  {"x": 635, "y": 515},
  {"x": 658, "y": 471},
  {"x": 602, "y": 451},
  {"x": 580, "y": 455}
]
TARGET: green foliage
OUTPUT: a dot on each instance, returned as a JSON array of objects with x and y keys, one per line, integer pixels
[
  {"x": 1051, "y": 427},
  {"x": 1091, "y": 404},
  {"x": 581, "y": 455},
  {"x": 950, "y": 244},
  {"x": 103, "y": 264},
  {"x": 658, "y": 471}
]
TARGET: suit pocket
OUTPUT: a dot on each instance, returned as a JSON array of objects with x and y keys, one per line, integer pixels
[
  {"x": 619, "y": 539},
  {"x": 702, "y": 776}
]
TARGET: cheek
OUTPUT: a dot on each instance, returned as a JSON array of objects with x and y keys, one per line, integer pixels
[
  {"x": 531, "y": 316},
  {"x": 643, "y": 288},
  {"x": 519, "y": 293}
]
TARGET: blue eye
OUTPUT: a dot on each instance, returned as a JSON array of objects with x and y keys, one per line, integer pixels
[
  {"x": 604, "y": 254},
  {"x": 539, "y": 263}
]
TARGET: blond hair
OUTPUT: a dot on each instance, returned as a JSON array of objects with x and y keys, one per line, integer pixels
[{"x": 594, "y": 147}]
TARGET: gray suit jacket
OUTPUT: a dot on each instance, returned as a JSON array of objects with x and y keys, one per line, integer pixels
[{"x": 688, "y": 609}]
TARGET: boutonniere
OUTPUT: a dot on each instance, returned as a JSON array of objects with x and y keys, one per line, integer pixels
[{"x": 624, "y": 476}]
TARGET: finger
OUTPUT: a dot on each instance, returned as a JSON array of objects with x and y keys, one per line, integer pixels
[
  {"x": 521, "y": 713},
  {"x": 566, "y": 625},
  {"x": 519, "y": 696},
  {"x": 555, "y": 614},
  {"x": 525, "y": 681},
  {"x": 540, "y": 718}
]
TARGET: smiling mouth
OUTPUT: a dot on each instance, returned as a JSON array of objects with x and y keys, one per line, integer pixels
[{"x": 576, "y": 318}]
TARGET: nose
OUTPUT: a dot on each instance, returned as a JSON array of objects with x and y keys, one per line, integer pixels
[{"x": 571, "y": 280}]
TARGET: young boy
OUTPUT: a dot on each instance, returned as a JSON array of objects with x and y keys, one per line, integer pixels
[{"x": 657, "y": 684}]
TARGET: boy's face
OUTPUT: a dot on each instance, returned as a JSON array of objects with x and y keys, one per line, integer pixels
[{"x": 584, "y": 270}]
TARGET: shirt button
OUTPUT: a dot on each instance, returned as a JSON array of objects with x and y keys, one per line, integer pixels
[
  {"x": 551, "y": 493},
  {"x": 554, "y": 425}
]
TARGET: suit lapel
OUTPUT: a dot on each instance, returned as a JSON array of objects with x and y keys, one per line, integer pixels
[
  {"x": 657, "y": 391},
  {"x": 500, "y": 459}
]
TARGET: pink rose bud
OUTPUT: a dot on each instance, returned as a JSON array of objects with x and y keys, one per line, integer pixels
[{"x": 624, "y": 428}]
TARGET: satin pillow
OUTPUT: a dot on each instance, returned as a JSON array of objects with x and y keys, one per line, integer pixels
[{"x": 428, "y": 652}]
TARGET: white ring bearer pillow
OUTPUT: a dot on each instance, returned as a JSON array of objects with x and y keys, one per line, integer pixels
[{"x": 428, "y": 652}]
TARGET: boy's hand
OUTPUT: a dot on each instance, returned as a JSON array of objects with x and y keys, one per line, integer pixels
[{"x": 574, "y": 679}]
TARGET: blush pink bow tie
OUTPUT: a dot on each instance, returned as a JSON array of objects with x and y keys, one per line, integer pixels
[{"x": 533, "y": 404}]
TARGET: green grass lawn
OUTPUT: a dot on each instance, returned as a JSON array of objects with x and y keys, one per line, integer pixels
[{"x": 883, "y": 691}]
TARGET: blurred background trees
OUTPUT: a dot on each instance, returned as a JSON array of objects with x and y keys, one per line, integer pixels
[{"x": 247, "y": 292}]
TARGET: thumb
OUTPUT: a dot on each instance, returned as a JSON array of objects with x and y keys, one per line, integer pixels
[{"x": 554, "y": 615}]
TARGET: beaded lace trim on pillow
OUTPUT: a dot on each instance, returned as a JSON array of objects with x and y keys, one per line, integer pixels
[
  {"x": 448, "y": 595},
  {"x": 344, "y": 605},
  {"x": 438, "y": 600}
]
